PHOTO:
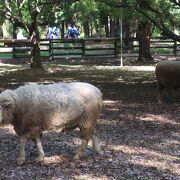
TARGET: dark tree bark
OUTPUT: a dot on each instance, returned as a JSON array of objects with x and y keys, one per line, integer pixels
[
  {"x": 112, "y": 28},
  {"x": 86, "y": 28},
  {"x": 144, "y": 35},
  {"x": 62, "y": 29},
  {"x": 117, "y": 29},
  {"x": 35, "y": 51},
  {"x": 14, "y": 31},
  {"x": 107, "y": 27},
  {"x": 96, "y": 28},
  {"x": 127, "y": 35}
]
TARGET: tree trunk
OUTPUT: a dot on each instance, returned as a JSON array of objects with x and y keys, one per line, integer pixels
[
  {"x": 128, "y": 44},
  {"x": 117, "y": 29},
  {"x": 107, "y": 26},
  {"x": 112, "y": 28},
  {"x": 91, "y": 30},
  {"x": 14, "y": 31},
  {"x": 144, "y": 35},
  {"x": 86, "y": 28},
  {"x": 5, "y": 31},
  {"x": 62, "y": 29},
  {"x": 96, "y": 28},
  {"x": 35, "y": 52}
]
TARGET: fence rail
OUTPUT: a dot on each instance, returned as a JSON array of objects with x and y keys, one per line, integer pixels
[{"x": 88, "y": 47}]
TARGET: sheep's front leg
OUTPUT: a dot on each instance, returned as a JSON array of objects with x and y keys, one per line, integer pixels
[
  {"x": 81, "y": 148},
  {"x": 40, "y": 157},
  {"x": 21, "y": 157}
]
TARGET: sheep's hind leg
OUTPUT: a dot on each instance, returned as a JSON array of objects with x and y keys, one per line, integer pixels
[
  {"x": 96, "y": 144},
  {"x": 81, "y": 148},
  {"x": 160, "y": 92},
  {"x": 21, "y": 157},
  {"x": 171, "y": 93},
  {"x": 40, "y": 157}
]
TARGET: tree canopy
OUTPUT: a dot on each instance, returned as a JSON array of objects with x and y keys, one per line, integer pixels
[
  {"x": 164, "y": 14},
  {"x": 29, "y": 14}
]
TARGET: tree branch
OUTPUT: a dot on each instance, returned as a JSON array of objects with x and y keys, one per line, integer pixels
[
  {"x": 160, "y": 25},
  {"x": 55, "y": 2},
  {"x": 115, "y": 4},
  {"x": 176, "y": 2},
  {"x": 20, "y": 5}
]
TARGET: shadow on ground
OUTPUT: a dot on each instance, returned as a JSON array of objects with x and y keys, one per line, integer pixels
[{"x": 140, "y": 138}]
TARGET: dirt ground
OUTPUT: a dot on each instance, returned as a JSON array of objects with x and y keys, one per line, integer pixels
[{"x": 140, "y": 138}]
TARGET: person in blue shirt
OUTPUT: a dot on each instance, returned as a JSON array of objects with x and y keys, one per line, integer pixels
[
  {"x": 72, "y": 32},
  {"x": 55, "y": 33},
  {"x": 68, "y": 31},
  {"x": 76, "y": 32},
  {"x": 49, "y": 33}
]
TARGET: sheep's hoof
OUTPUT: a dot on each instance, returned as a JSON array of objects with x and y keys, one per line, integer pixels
[
  {"x": 101, "y": 153},
  {"x": 21, "y": 161},
  {"x": 39, "y": 159},
  {"x": 76, "y": 157},
  {"x": 159, "y": 101}
]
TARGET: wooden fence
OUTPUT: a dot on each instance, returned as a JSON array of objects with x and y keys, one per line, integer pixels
[
  {"x": 90, "y": 47},
  {"x": 62, "y": 48}
]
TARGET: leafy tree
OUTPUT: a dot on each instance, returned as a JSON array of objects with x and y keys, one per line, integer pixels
[
  {"x": 93, "y": 16},
  {"x": 87, "y": 14},
  {"x": 29, "y": 14},
  {"x": 164, "y": 14}
]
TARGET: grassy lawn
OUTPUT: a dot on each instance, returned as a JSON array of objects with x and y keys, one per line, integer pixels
[{"x": 5, "y": 55}]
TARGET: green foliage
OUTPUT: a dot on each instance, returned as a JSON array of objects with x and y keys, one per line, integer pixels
[{"x": 165, "y": 12}]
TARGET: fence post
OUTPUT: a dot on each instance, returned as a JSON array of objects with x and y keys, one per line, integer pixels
[
  {"x": 13, "y": 51},
  {"x": 49, "y": 49},
  {"x": 51, "y": 57},
  {"x": 116, "y": 48},
  {"x": 175, "y": 48},
  {"x": 83, "y": 48}
]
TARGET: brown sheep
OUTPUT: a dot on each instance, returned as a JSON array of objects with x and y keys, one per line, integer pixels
[{"x": 168, "y": 78}]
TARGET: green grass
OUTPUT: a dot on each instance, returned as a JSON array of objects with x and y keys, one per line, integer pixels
[
  {"x": 157, "y": 50},
  {"x": 160, "y": 50},
  {"x": 44, "y": 53},
  {"x": 5, "y": 55}
]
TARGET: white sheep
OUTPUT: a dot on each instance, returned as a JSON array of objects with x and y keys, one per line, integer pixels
[
  {"x": 31, "y": 109},
  {"x": 168, "y": 78}
]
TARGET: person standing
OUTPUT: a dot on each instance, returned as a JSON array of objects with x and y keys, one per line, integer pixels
[
  {"x": 68, "y": 31},
  {"x": 55, "y": 33},
  {"x": 49, "y": 34},
  {"x": 75, "y": 32}
]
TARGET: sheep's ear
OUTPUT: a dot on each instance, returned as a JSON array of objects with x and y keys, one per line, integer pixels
[{"x": 7, "y": 104}]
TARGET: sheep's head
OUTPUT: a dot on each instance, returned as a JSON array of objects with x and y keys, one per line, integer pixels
[{"x": 6, "y": 109}]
